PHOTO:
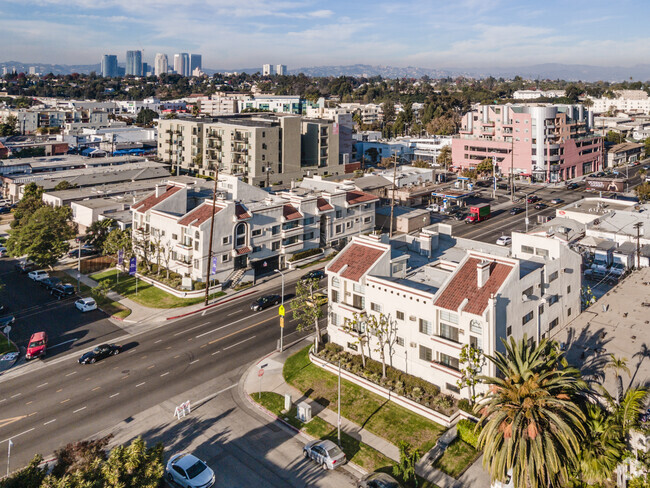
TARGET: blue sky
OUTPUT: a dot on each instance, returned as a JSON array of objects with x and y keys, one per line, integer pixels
[{"x": 247, "y": 33}]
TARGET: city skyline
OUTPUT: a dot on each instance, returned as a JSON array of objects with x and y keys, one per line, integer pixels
[{"x": 415, "y": 33}]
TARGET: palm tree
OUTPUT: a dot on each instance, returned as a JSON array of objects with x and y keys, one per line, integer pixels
[
  {"x": 618, "y": 365},
  {"x": 532, "y": 423}
]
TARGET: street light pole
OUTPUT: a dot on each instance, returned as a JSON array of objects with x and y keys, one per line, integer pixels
[
  {"x": 209, "y": 263},
  {"x": 526, "y": 197},
  {"x": 281, "y": 328},
  {"x": 339, "y": 405}
]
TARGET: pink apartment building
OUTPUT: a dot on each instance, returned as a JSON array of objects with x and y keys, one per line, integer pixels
[{"x": 543, "y": 142}]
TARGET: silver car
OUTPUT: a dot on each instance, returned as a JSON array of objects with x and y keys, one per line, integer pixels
[
  {"x": 325, "y": 453},
  {"x": 188, "y": 471}
]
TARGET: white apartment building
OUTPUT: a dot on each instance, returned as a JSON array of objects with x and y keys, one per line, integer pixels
[
  {"x": 219, "y": 104},
  {"x": 442, "y": 292},
  {"x": 287, "y": 104},
  {"x": 267, "y": 70},
  {"x": 535, "y": 94},
  {"x": 281, "y": 69},
  {"x": 370, "y": 113},
  {"x": 253, "y": 229},
  {"x": 628, "y": 101},
  {"x": 161, "y": 64}
]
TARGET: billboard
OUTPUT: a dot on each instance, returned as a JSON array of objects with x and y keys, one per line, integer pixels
[{"x": 605, "y": 184}]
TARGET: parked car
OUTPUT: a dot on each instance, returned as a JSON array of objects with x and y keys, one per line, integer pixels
[
  {"x": 540, "y": 206},
  {"x": 36, "y": 346},
  {"x": 24, "y": 266},
  {"x": 504, "y": 241},
  {"x": 572, "y": 186},
  {"x": 318, "y": 274},
  {"x": 459, "y": 215},
  {"x": 557, "y": 201},
  {"x": 533, "y": 199},
  {"x": 484, "y": 183},
  {"x": 85, "y": 251},
  {"x": 434, "y": 207},
  {"x": 3, "y": 251},
  {"x": 86, "y": 304},
  {"x": 189, "y": 471},
  {"x": 62, "y": 290},
  {"x": 378, "y": 480},
  {"x": 325, "y": 453},
  {"x": 49, "y": 283},
  {"x": 516, "y": 210},
  {"x": 38, "y": 275},
  {"x": 5, "y": 210},
  {"x": 265, "y": 302},
  {"x": 6, "y": 320},
  {"x": 100, "y": 352}
]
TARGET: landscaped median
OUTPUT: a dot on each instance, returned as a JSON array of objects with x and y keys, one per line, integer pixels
[{"x": 147, "y": 294}]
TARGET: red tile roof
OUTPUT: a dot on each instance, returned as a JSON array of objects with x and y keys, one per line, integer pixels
[
  {"x": 464, "y": 284},
  {"x": 323, "y": 204},
  {"x": 290, "y": 212},
  {"x": 199, "y": 215},
  {"x": 359, "y": 260},
  {"x": 243, "y": 250},
  {"x": 353, "y": 197},
  {"x": 241, "y": 213},
  {"x": 153, "y": 200}
]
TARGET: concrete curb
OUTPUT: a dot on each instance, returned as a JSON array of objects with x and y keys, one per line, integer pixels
[{"x": 221, "y": 302}]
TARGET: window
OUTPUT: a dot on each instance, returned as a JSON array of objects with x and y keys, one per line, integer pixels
[
  {"x": 338, "y": 229},
  {"x": 366, "y": 220},
  {"x": 348, "y": 224},
  {"x": 568, "y": 312},
  {"x": 196, "y": 245},
  {"x": 257, "y": 248},
  {"x": 175, "y": 237},
  {"x": 275, "y": 246},
  {"x": 256, "y": 232},
  {"x": 275, "y": 230},
  {"x": 358, "y": 287},
  {"x": 528, "y": 291},
  {"x": 426, "y": 327},
  {"x": 541, "y": 252},
  {"x": 375, "y": 307},
  {"x": 399, "y": 315},
  {"x": 568, "y": 289},
  {"x": 449, "y": 361},
  {"x": 358, "y": 302},
  {"x": 475, "y": 342},
  {"x": 289, "y": 241},
  {"x": 553, "y": 323},
  {"x": 527, "y": 318},
  {"x": 225, "y": 257},
  {"x": 452, "y": 388},
  {"x": 196, "y": 264},
  {"x": 426, "y": 354},
  {"x": 553, "y": 299},
  {"x": 335, "y": 281},
  {"x": 339, "y": 214},
  {"x": 527, "y": 249},
  {"x": 352, "y": 346},
  {"x": 334, "y": 319},
  {"x": 225, "y": 240},
  {"x": 553, "y": 276},
  {"x": 307, "y": 236},
  {"x": 476, "y": 327},
  {"x": 196, "y": 234},
  {"x": 448, "y": 316},
  {"x": 449, "y": 332},
  {"x": 335, "y": 296},
  {"x": 509, "y": 330},
  {"x": 400, "y": 341},
  {"x": 308, "y": 221},
  {"x": 290, "y": 225}
]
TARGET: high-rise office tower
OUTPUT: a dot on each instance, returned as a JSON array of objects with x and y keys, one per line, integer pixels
[
  {"x": 161, "y": 64},
  {"x": 134, "y": 63},
  {"x": 267, "y": 70},
  {"x": 195, "y": 62},
  {"x": 186, "y": 64},
  {"x": 182, "y": 64},
  {"x": 145, "y": 69},
  {"x": 109, "y": 66},
  {"x": 281, "y": 69}
]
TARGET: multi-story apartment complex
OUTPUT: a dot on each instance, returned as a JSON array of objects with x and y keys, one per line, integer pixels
[
  {"x": 544, "y": 142},
  {"x": 221, "y": 104},
  {"x": 252, "y": 230},
  {"x": 29, "y": 120},
  {"x": 109, "y": 65},
  {"x": 161, "y": 64},
  {"x": 287, "y": 104},
  {"x": 134, "y": 63},
  {"x": 261, "y": 148},
  {"x": 441, "y": 293},
  {"x": 628, "y": 101},
  {"x": 370, "y": 113},
  {"x": 280, "y": 69}
]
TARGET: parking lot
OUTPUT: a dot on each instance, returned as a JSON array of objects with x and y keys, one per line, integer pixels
[{"x": 36, "y": 310}]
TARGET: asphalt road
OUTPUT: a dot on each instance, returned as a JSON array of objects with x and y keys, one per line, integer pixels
[{"x": 59, "y": 401}]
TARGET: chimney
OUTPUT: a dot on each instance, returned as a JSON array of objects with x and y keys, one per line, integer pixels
[
  {"x": 160, "y": 189},
  {"x": 482, "y": 272}
]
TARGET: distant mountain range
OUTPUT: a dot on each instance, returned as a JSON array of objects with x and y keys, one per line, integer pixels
[{"x": 569, "y": 72}]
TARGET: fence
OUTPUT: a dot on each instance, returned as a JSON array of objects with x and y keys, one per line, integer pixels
[{"x": 92, "y": 265}]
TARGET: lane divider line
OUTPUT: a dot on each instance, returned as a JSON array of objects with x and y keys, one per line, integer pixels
[
  {"x": 79, "y": 409},
  {"x": 195, "y": 361},
  {"x": 113, "y": 395},
  {"x": 49, "y": 421},
  {"x": 14, "y": 436},
  {"x": 140, "y": 384},
  {"x": 238, "y": 343},
  {"x": 44, "y": 384},
  {"x": 164, "y": 374}
]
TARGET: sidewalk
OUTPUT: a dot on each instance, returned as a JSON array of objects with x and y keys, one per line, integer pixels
[{"x": 273, "y": 381}]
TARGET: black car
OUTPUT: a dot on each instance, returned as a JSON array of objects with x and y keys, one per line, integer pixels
[
  {"x": 49, "y": 283},
  {"x": 5, "y": 210},
  {"x": 458, "y": 215},
  {"x": 516, "y": 210},
  {"x": 540, "y": 206},
  {"x": 265, "y": 302},
  {"x": 378, "y": 480},
  {"x": 572, "y": 186},
  {"x": 100, "y": 352},
  {"x": 62, "y": 290},
  {"x": 85, "y": 251},
  {"x": 25, "y": 266},
  {"x": 318, "y": 274}
]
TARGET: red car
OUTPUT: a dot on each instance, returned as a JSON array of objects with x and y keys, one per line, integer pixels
[{"x": 36, "y": 346}]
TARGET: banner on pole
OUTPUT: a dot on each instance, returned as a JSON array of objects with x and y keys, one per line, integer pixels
[
  {"x": 132, "y": 266},
  {"x": 120, "y": 257},
  {"x": 213, "y": 269}
]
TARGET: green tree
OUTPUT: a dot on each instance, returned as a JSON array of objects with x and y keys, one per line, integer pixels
[
  {"x": 388, "y": 109},
  {"x": 118, "y": 240},
  {"x": 619, "y": 365},
  {"x": 408, "y": 458},
  {"x": 646, "y": 147},
  {"x": 98, "y": 231},
  {"x": 79, "y": 456},
  {"x": 134, "y": 465},
  {"x": 64, "y": 185},
  {"x": 9, "y": 127},
  {"x": 643, "y": 191},
  {"x": 384, "y": 331},
  {"x": 485, "y": 167},
  {"x": 356, "y": 327},
  {"x": 31, "y": 476},
  {"x": 614, "y": 137},
  {"x": 146, "y": 117},
  {"x": 31, "y": 201},
  {"x": 420, "y": 164},
  {"x": 532, "y": 424},
  {"x": 472, "y": 362},
  {"x": 44, "y": 237},
  {"x": 443, "y": 126},
  {"x": 305, "y": 310},
  {"x": 444, "y": 157}
]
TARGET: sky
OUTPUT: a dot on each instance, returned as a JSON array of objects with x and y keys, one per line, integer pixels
[{"x": 302, "y": 33}]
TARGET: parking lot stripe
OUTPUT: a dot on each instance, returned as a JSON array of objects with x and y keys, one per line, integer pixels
[{"x": 44, "y": 384}]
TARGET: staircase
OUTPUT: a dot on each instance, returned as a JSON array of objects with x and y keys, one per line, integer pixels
[{"x": 234, "y": 279}]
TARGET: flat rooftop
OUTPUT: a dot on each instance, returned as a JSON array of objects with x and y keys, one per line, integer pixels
[{"x": 598, "y": 206}]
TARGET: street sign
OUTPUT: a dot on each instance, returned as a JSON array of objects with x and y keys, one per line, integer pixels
[
  {"x": 260, "y": 373},
  {"x": 281, "y": 311},
  {"x": 282, "y": 322},
  {"x": 7, "y": 329}
]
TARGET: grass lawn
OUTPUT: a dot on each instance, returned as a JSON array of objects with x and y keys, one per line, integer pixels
[
  {"x": 457, "y": 458},
  {"x": 148, "y": 295},
  {"x": 5, "y": 345},
  {"x": 374, "y": 413},
  {"x": 357, "y": 452},
  {"x": 109, "y": 306}
]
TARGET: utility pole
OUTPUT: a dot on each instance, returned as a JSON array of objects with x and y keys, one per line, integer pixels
[
  {"x": 209, "y": 263},
  {"x": 339, "y": 404},
  {"x": 512, "y": 168},
  {"x": 638, "y": 226},
  {"x": 79, "y": 265},
  {"x": 392, "y": 200}
]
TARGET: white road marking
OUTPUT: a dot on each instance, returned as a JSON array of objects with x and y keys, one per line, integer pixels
[
  {"x": 79, "y": 409},
  {"x": 62, "y": 343},
  {"x": 49, "y": 421},
  {"x": 113, "y": 395},
  {"x": 44, "y": 384},
  {"x": 164, "y": 374},
  {"x": 238, "y": 343},
  {"x": 14, "y": 436},
  {"x": 213, "y": 330},
  {"x": 159, "y": 340},
  {"x": 131, "y": 351},
  {"x": 191, "y": 328},
  {"x": 3, "y": 400},
  {"x": 195, "y": 361},
  {"x": 70, "y": 374},
  {"x": 210, "y": 397},
  {"x": 16, "y": 395},
  {"x": 241, "y": 310},
  {"x": 215, "y": 353},
  {"x": 140, "y": 384}
]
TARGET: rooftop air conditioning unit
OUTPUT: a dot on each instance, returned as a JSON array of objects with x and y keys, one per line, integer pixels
[{"x": 412, "y": 344}]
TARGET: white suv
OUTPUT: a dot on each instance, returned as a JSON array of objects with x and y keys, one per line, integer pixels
[{"x": 38, "y": 275}]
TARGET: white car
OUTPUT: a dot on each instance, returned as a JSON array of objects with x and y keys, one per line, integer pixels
[
  {"x": 38, "y": 275},
  {"x": 189, "y": 471},
  {"x": 86, "y": 304},
  {"x": 3, "y": 251},
  {"x": 504, "y": 241},
  {"x": 433, "y": 208}
]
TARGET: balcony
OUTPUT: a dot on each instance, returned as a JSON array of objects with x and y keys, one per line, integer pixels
[
  {"x": 286, "y": 233},
  {"x": 291, "y": 248},
  {"x": 183, "y": 264}
]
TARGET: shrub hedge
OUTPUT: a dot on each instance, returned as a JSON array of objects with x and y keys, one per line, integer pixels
[
  {"x": 305, "y": 254},
  {"x": 468, "y": 432}
]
